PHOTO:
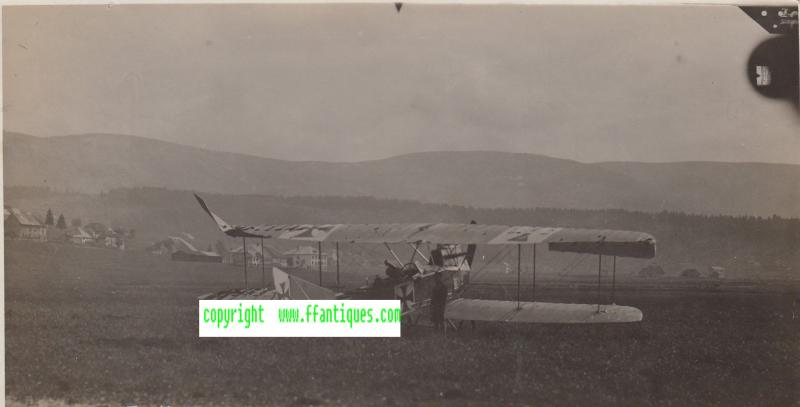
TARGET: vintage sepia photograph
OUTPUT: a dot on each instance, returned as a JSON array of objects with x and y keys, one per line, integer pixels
[{"x": 394, "y": 204}]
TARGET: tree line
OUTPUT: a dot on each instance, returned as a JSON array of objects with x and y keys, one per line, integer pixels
[{"x": 746, "y": 242}]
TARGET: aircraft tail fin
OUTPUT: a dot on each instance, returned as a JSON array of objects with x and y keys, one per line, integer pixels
[
  {"x": 289, "y": 287},
  {"x": 221, "y": 224}
]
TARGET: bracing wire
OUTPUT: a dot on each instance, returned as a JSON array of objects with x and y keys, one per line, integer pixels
[
  {"x": 505, "y": 251},
  {"x": 577, "y": 261}
]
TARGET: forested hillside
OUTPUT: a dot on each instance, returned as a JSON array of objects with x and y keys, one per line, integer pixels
[{"x": 745, "y": 246}]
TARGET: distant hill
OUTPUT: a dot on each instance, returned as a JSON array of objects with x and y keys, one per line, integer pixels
[{"x": 94, "y": 163}]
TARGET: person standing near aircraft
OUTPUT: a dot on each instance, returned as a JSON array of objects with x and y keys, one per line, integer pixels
[
  {"x": 438, "y": 301},
  {"x": 393, "y": 272}
]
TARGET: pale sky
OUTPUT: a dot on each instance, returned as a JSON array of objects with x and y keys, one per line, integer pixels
[{"x": 357, "y": 82}]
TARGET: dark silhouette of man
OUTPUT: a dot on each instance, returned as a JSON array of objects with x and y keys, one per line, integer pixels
[
  {"x": 438, "y": 301},
  {"x": 394, "y": 273}
]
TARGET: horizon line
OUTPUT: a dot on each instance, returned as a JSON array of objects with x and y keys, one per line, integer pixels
[{"x": 89, "y": 134}]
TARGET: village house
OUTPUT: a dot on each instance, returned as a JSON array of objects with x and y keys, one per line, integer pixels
[
  {"x": 271, "y": 256},
  {"x": 22, "y": 225},
  {"x": 80, "y": 236},
  {"x": 114, "y": 239},
  {"x": 305, "y": 257}
]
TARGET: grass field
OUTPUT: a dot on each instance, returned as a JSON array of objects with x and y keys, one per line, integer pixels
[{"x": 95, "y": 326}]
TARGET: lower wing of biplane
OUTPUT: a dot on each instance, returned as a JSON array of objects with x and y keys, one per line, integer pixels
[
  {"x": 616, "y": 243},
  {"x": 468, "y": 309}
]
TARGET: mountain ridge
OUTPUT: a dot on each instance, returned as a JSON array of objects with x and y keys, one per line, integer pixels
[
  {"x": 99, "y": 162},
  {"x": 17, "y": 136}
]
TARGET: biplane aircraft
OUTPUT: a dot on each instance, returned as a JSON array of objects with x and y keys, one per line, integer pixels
[{"x": 412, "y": 282}]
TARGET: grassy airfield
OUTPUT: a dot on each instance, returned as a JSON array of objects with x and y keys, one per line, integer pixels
[{"x": 95, "y": 326}]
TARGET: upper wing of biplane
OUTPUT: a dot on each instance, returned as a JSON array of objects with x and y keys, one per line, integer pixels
[{"x": 595, "y": 241}]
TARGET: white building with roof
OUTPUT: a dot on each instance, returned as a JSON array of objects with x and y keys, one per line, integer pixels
[
  {"x": 254, "y": 251},
  {"x": 80, "y": 236},
  {"x": 305, "y": 257}
]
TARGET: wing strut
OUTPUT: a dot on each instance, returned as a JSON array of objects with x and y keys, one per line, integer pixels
[
  {"x": 519, "y": 272},
  {"x": 263, "y": 278},
  {"x": 533, "y": 295},
  {"x": 416, "y": 250},
  {"x": 613, "y": 279},
  {"x": 599, "y": 271},
  {"x": 319, "y": 260},
  {"x": 400, "y": 262},
  {"x": 244, "y": 255},
  {"x": 337, "y": 266}
]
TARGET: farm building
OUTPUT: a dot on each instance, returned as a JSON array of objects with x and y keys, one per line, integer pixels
[
  {"x": 271, "y": 255},
  {"x": 23, "y": 225},
  {"x": 305, "y": 257},
  {"x": 100, "y": 235},
  {"x": 697, "y": 271},
  {"x": 114, "y": 239},
  {"x": 161, "y": 247},
  {"x": 181, "y": 250},
  {"x": 79, "y": 236},
  {"x": 96, "y": 229}
]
